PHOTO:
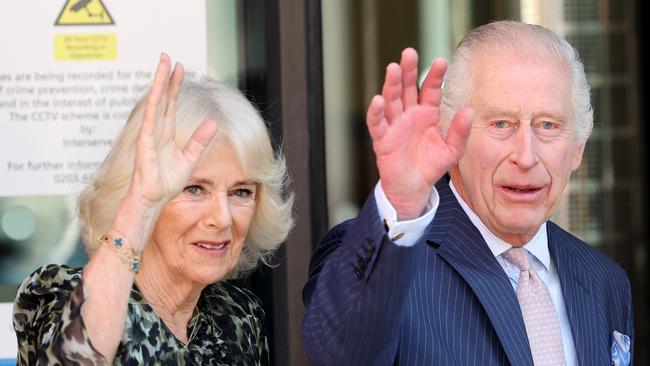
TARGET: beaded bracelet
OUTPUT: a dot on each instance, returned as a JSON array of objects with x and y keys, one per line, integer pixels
[{"x": 128, "y": 255}]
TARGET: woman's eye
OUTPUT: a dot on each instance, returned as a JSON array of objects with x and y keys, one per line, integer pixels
[
  {"x": 243, "y": 193},
  {"x": 193, "y": 189}
]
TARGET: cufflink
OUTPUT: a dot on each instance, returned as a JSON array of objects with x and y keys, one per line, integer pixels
[{"x": 396, "y": 237}]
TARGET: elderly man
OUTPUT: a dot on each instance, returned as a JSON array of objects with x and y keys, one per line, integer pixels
[{"x": 453, "y": 259}]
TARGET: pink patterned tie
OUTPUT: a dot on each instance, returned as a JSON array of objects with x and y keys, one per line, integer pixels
[{"x": 540, "y": 317}]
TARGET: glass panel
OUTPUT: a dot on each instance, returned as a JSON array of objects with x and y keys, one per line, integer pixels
[
  {"x": 36, "y": 230},
  {"x": 359, "y": 40}
]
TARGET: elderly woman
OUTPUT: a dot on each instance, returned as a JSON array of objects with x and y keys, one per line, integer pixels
[{"x": 191, "y": 194}]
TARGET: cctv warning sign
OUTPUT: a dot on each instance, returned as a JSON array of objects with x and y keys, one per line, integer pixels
[{"x": 84, "y": 12}]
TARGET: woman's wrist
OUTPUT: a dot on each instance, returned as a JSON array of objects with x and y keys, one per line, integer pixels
[
  {"x": 121, "y": 247},
  {"x": 135, "y": 220}
]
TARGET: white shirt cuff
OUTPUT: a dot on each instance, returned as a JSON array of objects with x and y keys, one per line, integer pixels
[{"x": 405, "y": 233}]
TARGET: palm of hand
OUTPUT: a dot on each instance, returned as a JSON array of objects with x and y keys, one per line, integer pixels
[
  {"x": 412, "y": 152},
  {"x": 170, "y": 173}
]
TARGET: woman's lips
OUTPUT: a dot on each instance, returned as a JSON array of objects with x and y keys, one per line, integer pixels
[{"x": 214, "y": 247}]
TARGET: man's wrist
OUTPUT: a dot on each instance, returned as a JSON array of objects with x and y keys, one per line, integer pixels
[
  {"x": 405, "y": 232},
  {"x": 411, "y": 207}
]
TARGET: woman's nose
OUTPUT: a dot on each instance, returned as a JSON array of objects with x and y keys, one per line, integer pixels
[{"x": 217, "y": 214}]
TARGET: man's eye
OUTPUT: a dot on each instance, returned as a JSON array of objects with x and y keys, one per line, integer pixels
[
  {"x": 548, "y": 125},
  {"x": 501, "y": 124},
  {"x": 193, "y": 189}
]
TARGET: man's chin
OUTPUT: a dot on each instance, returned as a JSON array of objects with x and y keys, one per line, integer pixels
[{"x": 520, "y": 228}]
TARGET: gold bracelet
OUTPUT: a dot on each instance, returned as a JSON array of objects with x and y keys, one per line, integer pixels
[{"x": 128, "y": 255}]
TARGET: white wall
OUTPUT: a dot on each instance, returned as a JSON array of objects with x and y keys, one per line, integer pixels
[{"x": 8, "y": 344}]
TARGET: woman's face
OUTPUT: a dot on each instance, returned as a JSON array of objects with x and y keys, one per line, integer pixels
[{"x": 200, "y": 233}]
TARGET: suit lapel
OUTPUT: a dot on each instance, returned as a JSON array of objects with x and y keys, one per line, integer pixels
[
  {"x": 463, "y": 247},
  {"x": 577, "y": 295}
]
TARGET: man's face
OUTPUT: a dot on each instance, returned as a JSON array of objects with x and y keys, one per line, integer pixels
[{"x": 521, "y": 149}]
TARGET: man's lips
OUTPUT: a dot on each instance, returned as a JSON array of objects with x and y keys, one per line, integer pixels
[
  {"x": 520, "y": 189},
  {"x": 521, "y": 193}
]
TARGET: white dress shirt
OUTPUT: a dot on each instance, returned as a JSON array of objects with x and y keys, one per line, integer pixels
[{"x": 408, "y": 232}]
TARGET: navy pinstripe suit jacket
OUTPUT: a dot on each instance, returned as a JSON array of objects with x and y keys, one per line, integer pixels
[{"x": 446, "y": 301}]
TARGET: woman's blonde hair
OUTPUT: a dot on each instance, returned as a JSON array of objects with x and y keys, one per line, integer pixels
[{"x": 239, "y": 123}]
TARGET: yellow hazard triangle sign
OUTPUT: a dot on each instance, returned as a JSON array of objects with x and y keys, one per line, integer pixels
[{"x": 84, "y": 12}]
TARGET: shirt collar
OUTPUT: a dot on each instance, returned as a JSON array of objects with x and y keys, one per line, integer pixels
[{"x": 537, "y": 246}]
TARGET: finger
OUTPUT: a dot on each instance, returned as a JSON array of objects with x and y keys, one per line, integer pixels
[
  {"x": 431, "y": 91},
  {"x": 409, "y": 64},
  {"x": 161, "y": 107},
  {"x": 151, "y": 113},
  {"x": 174, "y": 88},
  {"x": 200, "y": 139},
  {"x": 392, "y": 92},
  {"x": 377, "y": 124},
  {"x": 459, "y": 130}
]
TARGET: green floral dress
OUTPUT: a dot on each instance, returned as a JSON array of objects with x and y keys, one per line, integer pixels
[{"x": 227, "y": 329}]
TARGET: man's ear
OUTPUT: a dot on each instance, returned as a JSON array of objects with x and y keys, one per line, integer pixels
[{"x": 577, "y": 156}]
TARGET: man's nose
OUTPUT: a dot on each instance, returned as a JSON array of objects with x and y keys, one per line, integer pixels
[{"x": 524, "y": 153}]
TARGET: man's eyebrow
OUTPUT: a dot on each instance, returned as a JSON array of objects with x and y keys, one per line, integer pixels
[
  {"x": 497, "y": 112},
  {"x": 491, "y": 112}
]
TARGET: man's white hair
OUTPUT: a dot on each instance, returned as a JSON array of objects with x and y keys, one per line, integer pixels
[{"x": 503, "y": 38}]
